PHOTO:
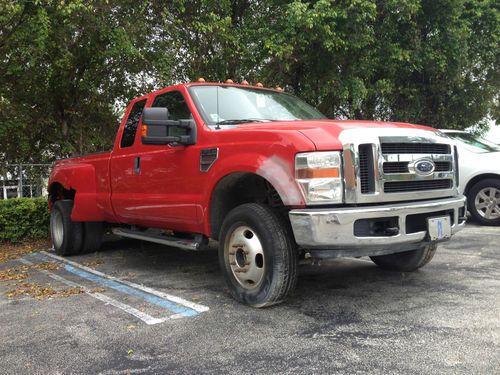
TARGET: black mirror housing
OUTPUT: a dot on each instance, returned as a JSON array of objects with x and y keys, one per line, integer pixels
[{"x": 155, "y": 125}]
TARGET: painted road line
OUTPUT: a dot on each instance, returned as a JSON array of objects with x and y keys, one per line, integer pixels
[
  {"x": 122, "y": 306},
  {"x": 480, "y": 233},
  {"x": 177, "y": 300}
]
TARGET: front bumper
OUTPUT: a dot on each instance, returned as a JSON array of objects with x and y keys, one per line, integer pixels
[{"x": 334, "y": 228}]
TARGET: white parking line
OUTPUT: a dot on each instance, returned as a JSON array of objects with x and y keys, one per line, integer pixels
[
  {"x": 178, "y": 300},
  {"x": 108, "y": 300}
]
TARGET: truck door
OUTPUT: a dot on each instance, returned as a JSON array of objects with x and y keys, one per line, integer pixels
[
  {"x": 124, "y": 176},
  {"x": 165, "y": 187}
]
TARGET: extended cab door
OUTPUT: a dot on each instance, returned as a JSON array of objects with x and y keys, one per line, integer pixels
[
  {"x": 163, "y": 181},
  {"x": 124, "y": 175}
]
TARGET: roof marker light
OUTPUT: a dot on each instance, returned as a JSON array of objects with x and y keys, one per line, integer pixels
[
  {"x": 258, "y": 84},
  {"x": 229, "y": 81},
  {"x": 201, "y": 79},
  {"x": 244, "y": 82}
]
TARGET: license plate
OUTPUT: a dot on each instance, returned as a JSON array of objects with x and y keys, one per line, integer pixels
[{"x": 439, "y": 228}]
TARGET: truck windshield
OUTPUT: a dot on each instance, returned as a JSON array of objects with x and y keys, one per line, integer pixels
[{"x": 228, "y": 105}]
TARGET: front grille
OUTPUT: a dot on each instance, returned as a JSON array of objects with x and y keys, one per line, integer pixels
[
  {"x": 402, "y": 167},
  {"x": 443, "y": 166},
  {"x": 366, "y": 172},
  {"x": 407, "y": 186},
  {"x": 415, "y": 148},
  {"x": 396, "y": 167}
]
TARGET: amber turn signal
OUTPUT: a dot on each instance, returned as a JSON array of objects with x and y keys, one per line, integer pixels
[
  {"x": 144, "y": 130},
  {"x": 318, "y": 173}
]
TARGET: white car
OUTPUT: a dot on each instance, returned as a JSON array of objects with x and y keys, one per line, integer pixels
[{"x": 479, "y": 175}]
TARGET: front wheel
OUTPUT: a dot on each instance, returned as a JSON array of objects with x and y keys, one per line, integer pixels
[
  {"x": 484, "y": 201},
  {"x": 257, "y": 255},
  {"x": 407, "y": 261}
]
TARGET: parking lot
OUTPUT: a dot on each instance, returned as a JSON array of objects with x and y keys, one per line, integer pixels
[{"x": 134, "y": 307}]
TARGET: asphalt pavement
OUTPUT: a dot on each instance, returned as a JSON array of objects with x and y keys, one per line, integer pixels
[{"x": 137, "y": 308}]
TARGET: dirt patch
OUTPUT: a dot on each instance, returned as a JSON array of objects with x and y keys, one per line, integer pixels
[
  {"x": 15, "y": 273},
  {"x": 39, "y": 291},
  {"x": 22, "y": 272},
  {"x": 93, "y": 263},
  {"x": 9, "y": 251}
]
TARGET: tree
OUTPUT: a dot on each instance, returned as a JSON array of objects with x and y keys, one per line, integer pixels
[
  {"x": 68, "y": 68},
  {"x": 65, "y": 66},
  {"x": 434, "y": 62}
]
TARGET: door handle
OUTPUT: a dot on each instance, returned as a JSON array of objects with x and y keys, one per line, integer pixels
[{"x": 137, "y": 165}]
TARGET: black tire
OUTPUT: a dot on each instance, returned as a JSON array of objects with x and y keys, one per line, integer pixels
[
  {"x": 407, "y": 261},
  {"x": 92, "y": 236},
  {"x": 478, "y": 206},
  {"x": 277, "y": 262},
  {"x": 67, "y": 235}
]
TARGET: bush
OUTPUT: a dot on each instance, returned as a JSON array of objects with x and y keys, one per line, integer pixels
[{"x": 24, "y": 219}]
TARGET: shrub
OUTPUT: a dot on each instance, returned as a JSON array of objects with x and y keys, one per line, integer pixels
[{"x": 24, "y": 219}]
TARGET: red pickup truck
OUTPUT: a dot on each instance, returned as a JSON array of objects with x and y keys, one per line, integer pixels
[{"x": 268, "y": 177}]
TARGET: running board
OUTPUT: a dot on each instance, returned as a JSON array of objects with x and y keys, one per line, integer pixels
[{"x": 199, "y": 242}]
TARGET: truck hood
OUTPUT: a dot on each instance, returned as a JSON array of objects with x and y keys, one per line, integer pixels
[{"x": 325, "y": 134}]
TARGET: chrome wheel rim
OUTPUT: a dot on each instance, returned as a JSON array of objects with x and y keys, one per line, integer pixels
[
  {"x": 57, "y": 228},
  {"x": 246, "y": 257},
  {"x": 487, "y": 203}
]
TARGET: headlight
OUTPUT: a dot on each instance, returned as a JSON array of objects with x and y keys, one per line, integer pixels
[{"x": 319, "y": 175}]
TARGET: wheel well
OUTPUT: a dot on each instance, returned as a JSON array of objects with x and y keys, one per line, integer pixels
[
  {"x": 57, "y": 192},
  {"x": 476, "y": 179},
  {"x": 236, "y": 189}
]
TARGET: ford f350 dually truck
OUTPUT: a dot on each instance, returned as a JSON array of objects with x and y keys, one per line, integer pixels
[{"x": 268, "y": 177}]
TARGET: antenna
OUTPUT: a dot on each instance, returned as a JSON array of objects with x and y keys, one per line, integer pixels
[{"x": 217, "y": 123}]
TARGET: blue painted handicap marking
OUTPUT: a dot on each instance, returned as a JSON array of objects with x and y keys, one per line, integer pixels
[
  {"x": 184, "y": 311},
  {"x": 177, "y": 305}
]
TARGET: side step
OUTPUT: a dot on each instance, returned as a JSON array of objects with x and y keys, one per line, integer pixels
[{"x": 197, "y": 243}]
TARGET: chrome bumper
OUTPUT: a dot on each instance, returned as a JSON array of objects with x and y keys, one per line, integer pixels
[{"x": 333, "y": 228}]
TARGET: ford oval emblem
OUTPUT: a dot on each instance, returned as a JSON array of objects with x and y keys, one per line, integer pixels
[{"x": 424, "y": 166}]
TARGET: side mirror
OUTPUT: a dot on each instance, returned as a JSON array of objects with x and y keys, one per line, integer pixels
[{"x": 156, "y": 125}]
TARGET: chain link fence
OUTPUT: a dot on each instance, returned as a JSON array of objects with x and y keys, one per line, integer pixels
[{"x": 24, "y": 180}]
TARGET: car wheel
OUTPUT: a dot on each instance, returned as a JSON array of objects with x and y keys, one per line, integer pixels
[
  {"x": 407, "y": 261},
  {"x": 92, "y": 236},
  {"x": 484, "y": 202},
  {"x": 257, "y": 255},
  {"x": 66, "y": 234}
]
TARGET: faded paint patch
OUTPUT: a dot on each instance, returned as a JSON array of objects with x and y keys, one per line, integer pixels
[{"x": 281, "y": 175}]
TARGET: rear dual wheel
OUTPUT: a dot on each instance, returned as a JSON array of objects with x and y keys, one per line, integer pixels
[
  {"x": 257, "y": 255},
  {"x": 72, "y": 237}
]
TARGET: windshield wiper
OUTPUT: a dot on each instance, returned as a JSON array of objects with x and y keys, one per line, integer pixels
[{"x": 242, "y": 121}]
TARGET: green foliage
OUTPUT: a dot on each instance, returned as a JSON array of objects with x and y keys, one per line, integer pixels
[
  {"x": 64, "y": 66},
  {"x": 24, "y": 219},
  {"x": 67, "y": 68}
]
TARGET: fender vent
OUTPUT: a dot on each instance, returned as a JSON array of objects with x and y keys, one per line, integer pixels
[{"x": 208, "y": 156}]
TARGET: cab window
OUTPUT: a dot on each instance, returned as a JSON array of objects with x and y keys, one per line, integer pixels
[
  {"x": 130, "y": 128},
  {"x": 177, "y": 110}
]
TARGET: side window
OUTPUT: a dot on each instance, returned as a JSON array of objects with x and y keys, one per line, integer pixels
[
  {"x": 130, "y": 128},
  {"x": 175, "y": 103},
  {"x": 177, "y": 110}
]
